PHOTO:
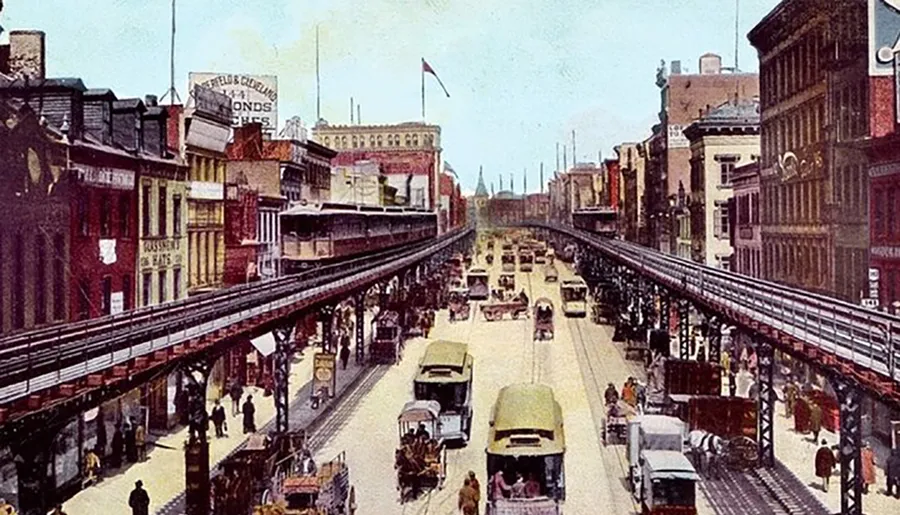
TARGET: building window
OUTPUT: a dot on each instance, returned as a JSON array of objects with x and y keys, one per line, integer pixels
[
  {"x": 126, "y": 292},
  {"x": 407, "y": 140},
  {"x": 84, "y": 299},
  {"x": 145, "y": 210},
  {"x": 354, "y": 141},
  {"x": 124, "y": 216},
  {"x": 162, "y": 211},
  {"x": 378, "y": 140},
  {"x": 84, "y": 221},
  {"x": 372, "y": 141},
  {"x": 721, "y": 221},
  {"x": 726, "y": 170},
  {"x": 176, "y": 284},
  {"x": 106, "y": 295},
  {"x": 40, "y": 287},
  {"x": 162, "y": 286},
  {"x": 415, "y": 140},
  {"x": 176, "y": 215},
  {"x": 59, "y": 278},
  {"x": 390, "y": 141},
  {"x": 343, "y": 141},
  {"x": 147, "y": 287}
]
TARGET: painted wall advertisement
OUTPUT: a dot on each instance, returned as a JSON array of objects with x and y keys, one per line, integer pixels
[
  {"x": 884, "y": 35},
  {"x": 254, "y": 98}
]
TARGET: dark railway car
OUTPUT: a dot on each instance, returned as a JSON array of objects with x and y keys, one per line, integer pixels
[
  {"x": 313, "y": 235},
  {"x": 598, "y": 220}
]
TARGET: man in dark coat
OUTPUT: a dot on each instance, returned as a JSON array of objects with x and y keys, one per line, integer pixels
[
  {"x": 892, "y": 471},
  {"x": 825, "y": 463},
  {"x": 236, "y": 392},
  {"x": 118, "y": 445},
  {"x": 139, "y": 501},
  {"x": 130, "y": 441},
  {"x": 218, "y": 419},
  {"x": 249, "y": 411},
  {"x": 345, "y": 355}
]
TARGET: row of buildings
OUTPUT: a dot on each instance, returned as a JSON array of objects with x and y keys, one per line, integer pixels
[
  {"x": 790, "y": 174},
  {"x": 114, "y": 203}
]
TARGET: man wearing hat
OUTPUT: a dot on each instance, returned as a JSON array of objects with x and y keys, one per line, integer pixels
[
  {"x": 473, "y": 482},
  {"x": 139, "y": 500}
]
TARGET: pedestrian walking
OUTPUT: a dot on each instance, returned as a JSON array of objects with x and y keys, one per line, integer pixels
[
  {"x": 140, "y": 442},
  {"x": 139, "y": 501},
  {"x": 815, "y": 420},
  {"x": 345, "y": 356},
  {"x": 249, "y": 411},
  {"x": 790, "y": 397},
  {"x": 91, "y": 467},
  {"x": 218, "y": 419},
  {"x": 118, "y": 446},
  {"x": 825, "y": 463},
  {"x": 236, "y": 392},
  {"x": 868, "y": 467},
  {"x": 130, "y": 442},
  {"x": 476, "y": 486},
  {"x": 732, "y": 377},
  {"x": 467, "y": 503},
  {"x": 6, "y": 508},
  {"x": 892, "y": 470}
]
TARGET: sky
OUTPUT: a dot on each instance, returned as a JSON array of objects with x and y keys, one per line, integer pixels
[{"x": 522, "y": 74}]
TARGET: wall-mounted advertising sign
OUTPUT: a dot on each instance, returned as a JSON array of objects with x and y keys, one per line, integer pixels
[
  {"x": 884, "y": 35},
  {"x": 254, "y": 98}
]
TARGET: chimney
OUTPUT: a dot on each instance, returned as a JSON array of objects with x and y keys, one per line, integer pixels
[
  {"x": 151, "y": 101},
  {"x": 27, "y": 54},
  {"x": 676, "y": 68}
]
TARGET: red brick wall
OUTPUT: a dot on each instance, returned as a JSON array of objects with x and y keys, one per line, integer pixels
[
  {"x": 236, "y": 259},
  {"x": 881, "y": 106}
]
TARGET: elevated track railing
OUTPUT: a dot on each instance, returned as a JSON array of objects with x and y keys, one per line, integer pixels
[
  {"x": 867, "y": 338},
  {"x": 39, "y": 359}
]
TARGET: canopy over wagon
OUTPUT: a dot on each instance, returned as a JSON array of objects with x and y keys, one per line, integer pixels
[
  {"x": 477, "y": 280},
  {"x": 421, "y": 459},
  {"x": 495, "y": 310},
  {"x": 458, "y": 304},
  {"x": 387, "y": 339},
  {"x": 670, "y": 483},
  {"x": 543, "y": 319}
]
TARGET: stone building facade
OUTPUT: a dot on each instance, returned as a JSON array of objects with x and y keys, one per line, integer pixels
[{"x": 744, "y": 220}]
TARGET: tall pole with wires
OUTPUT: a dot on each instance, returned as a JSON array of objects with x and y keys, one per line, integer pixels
[
  {"x": 318, "y": 81},
  {"x": 172, "y": 93}
]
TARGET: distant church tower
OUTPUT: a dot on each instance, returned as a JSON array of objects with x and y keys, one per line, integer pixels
[{"x": 481, "y": 201}]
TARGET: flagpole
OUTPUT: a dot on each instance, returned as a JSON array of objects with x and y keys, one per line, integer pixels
[{"x": 422, "y": 71}]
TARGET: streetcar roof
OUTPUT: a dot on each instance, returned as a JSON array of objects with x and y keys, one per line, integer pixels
[
  {"x": 478, "y": 271},
  {"x": 573, "y": 283},
  {"x": 420, "y": 411},
  {"x": 669, "y": 465},
  {"x": 526, "y": 421},
  {"x": 445, "y": 362}
]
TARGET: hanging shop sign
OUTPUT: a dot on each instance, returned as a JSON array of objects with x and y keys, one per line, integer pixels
[
  {"x": 161, "y": 252},
  {"x": 324, "y": 378},
  {"x": 884, "y": 35},
  {"x": 106, "y": 177}
]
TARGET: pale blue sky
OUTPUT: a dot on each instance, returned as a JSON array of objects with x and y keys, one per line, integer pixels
[{"x": 521, "y": 73}]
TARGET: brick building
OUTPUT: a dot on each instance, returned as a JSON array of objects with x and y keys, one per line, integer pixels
[
  {"x": 724, "y": 138},
  {"x": 818, "y": 102},
  {"x": 682, "y": 97},
  {"x": 744, "y": 221},
  {"x": 632, "y": 162},
  {"x": 584, "y": 185},
  {"x": 537, "y": 207},
  {"x": 241, "y": 218},
  {"x": 409, "y": 154},
  {"x": 34, "y": 238}
]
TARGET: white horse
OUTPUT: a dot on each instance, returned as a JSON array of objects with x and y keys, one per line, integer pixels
[{"x": 709, "y": 448}]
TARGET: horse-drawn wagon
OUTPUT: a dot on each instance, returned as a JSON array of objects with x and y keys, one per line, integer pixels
[
  {"x": 458, "y": 304},
  {"x": 421, "y": 459},
  {"x": 495, "y": 310},
  {"x": 543, "y": 319}
]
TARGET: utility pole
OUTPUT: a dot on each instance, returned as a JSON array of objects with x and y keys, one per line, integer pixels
[
  {"x": 574, "y": 155},
  {"x": 171, "y": 93},
  {"x": 318, "y": 81}
]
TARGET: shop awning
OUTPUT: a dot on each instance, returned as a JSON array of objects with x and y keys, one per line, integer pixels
[{"x": 265, "y": 344}]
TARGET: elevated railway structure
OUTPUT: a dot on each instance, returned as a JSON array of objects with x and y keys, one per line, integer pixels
[
  {"x": 51, "y": 374},
  {"x": 857, "y": 349}
]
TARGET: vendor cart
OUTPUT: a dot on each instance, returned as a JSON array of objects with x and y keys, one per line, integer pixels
[
  {"x": 543, "y": 319},
  {"x": 507, "y": 281},
  {"x": 495, "y": 310}
]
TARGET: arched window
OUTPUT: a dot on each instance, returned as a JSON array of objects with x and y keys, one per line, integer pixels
[
  {"x": 371, "y": 141},
  {"x": 354, "y": 141},
  {"x": 327, "y": 141},
  {"x": 362, "y": 142},
  {"x": 396, "y": 140},
  {"x": 415, "y": 140},
  {"x": 407, "y": 140},
  {"x": 343, "y": 141},
  {"x": 390, "y": 140},
  {"x": 379, "y": 140}
]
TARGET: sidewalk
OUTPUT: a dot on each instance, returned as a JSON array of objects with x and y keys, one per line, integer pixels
[
  {"x": 163, "y": 471},
  {"x": 797, "y": 452}
]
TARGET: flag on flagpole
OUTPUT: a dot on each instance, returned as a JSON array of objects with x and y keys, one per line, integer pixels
[{"x": 426, "y": 68}]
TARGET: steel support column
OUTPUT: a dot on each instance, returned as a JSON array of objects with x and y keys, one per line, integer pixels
[
  {"x": 360, "y": 326},
  {"x": 850, "y": 445},
  {"x": 327, "y": 314},
  {"x": 766, "y": 404},
  {"x": 684, "y": 329},
  {"x": 196, "y": 451},
  {"x": 665, "y": 311},
  {"x": 282, "y": 364},
  {"x": 714, "y": 339}
]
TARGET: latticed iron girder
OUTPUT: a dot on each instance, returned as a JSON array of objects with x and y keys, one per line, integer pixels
[
  {"x": 850, "y": 445},
  {"x": 282, "y": 366},
  {"x": 327, "y": 315},
  {"x": 684, "y": 329},
  {"x": 714, "y": 326},
  {"x": 766, "y": 404}
]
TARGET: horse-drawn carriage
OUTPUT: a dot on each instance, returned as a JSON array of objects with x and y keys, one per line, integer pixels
[
  {"x": 508, "y": 262},
  {"x": 458, "y": 304},
  {"x": 489, "y": 257},
  {"x": 421, "y": 460},
  {"x": 543, "y": 319},
  {"x": 551, "y": 275},
  {"x": 507, "y": 281},
  {"x": 495, "y": 310},
  {"x": 302, "y": 488},
  {"x": 603, "y": 305}
]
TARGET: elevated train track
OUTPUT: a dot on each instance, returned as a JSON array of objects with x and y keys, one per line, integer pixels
[
  {"x": 83, "y": 353},
  {"x": 846, "y": 340}
]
